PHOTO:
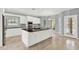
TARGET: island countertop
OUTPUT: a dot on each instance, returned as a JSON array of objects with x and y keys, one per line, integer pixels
[{"x": 35, "y": 30}]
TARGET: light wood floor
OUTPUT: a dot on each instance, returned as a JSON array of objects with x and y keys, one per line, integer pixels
[
  {"x": 13, "y": 43},
  {"x": 57, "y": 42}
]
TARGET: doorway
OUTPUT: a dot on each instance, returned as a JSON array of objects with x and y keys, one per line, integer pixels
[{"x": 70, "y": 26}]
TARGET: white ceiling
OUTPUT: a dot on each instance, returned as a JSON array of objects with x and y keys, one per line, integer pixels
[{"x": 36, "y": 11}]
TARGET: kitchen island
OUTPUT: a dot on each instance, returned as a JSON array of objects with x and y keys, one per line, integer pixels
[{"x": 35, "y": 36}]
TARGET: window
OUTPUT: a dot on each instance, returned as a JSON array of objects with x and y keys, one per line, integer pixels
[
  {"x": 12, "y": 21},
  {"x": 53, "y": 24}
]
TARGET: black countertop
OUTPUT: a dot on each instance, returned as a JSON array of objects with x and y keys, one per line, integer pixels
[{"x": 35, "y": 30}]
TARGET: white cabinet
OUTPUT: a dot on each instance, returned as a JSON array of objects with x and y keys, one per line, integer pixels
[
  {"x": 13, "y": 32},
  {"x": 23, "y": 20},
  {"x": 35, "y": 20}
]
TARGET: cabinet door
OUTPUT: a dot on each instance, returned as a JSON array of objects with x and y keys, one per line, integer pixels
[
  {"x": 23, "y": 20},
  {"x": 33, "y": 19}
]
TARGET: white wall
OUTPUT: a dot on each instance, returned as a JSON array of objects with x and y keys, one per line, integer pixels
[
  {"x": 1, "y": 32},
  {"x": 60, "y": 25}
]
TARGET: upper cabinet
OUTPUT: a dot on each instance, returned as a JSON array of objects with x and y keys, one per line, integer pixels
[
  {"x": 35, "y": 20},
  {"x": 23, "y": 19}
]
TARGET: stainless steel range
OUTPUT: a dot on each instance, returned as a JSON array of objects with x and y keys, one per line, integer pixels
[{"x": 30, "y": 26}]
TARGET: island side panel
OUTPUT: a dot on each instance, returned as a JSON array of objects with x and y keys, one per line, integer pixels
[
  {"x": 25, "y": 35},
  {"x": 36, "y": 37}
]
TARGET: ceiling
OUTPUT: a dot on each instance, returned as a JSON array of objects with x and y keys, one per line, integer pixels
[{"x": 36, "y": 11}]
